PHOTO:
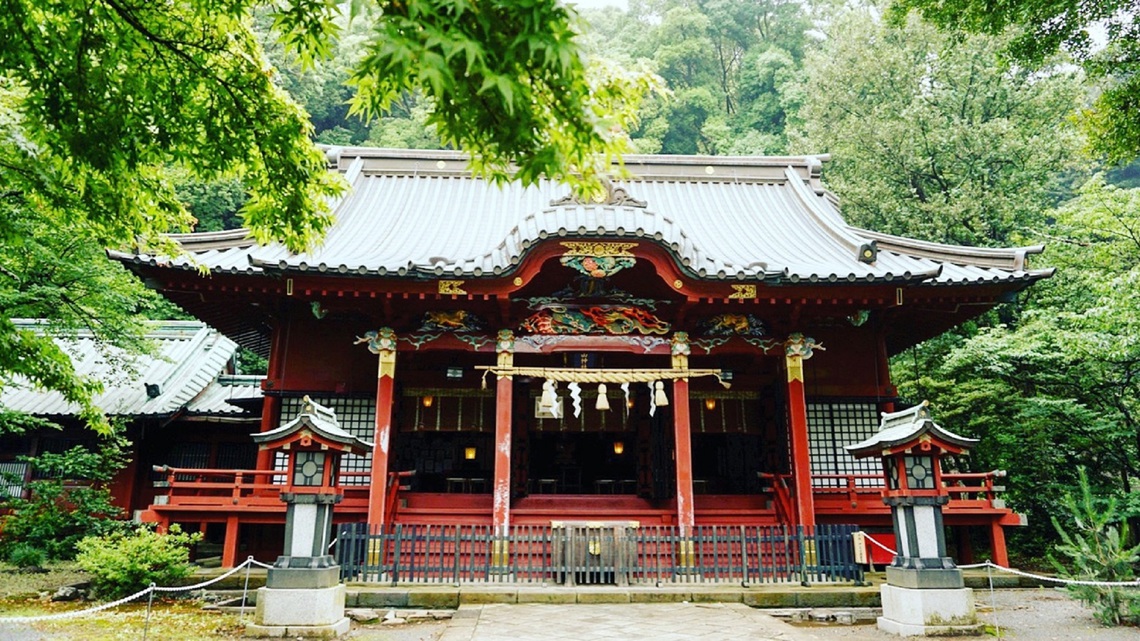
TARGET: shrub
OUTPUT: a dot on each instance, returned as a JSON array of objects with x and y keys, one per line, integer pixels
[
  {"x": 24, "y": 555},
  {"x": 67, "y": 502},
  {"x": 1097, "y": 550},
  {"x": 124, "y": 563}
]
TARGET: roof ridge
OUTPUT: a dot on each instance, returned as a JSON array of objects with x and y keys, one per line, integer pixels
[{"x": 1002, "y": 257}]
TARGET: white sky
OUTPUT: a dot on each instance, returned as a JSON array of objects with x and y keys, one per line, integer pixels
[{"x": 594, "y": 4}]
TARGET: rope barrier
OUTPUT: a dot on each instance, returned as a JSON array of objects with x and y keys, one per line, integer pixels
[
  {"x": 127, "y": 599},
  {"x": 991, "y": 564}
]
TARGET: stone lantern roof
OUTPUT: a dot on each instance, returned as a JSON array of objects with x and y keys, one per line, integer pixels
[
  {"x": 908, "y": 428},
  {"x": 315, "y": 422}
]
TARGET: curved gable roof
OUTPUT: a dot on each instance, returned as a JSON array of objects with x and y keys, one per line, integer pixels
[{"x": 422, "y": 213}]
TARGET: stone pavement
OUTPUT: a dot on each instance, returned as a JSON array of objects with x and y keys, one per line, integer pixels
[{"x": 627, "y": 622}]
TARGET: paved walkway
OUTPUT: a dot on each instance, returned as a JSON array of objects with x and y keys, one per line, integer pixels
[{"x": 628, "y": 622}]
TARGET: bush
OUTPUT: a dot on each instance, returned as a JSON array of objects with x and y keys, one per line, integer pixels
[
  {"x": 1097, "y": 550},
  {"x": 124, "y": 563},
  {"x": 24, "y": 555},
  {"x": 68, "y": 501}
]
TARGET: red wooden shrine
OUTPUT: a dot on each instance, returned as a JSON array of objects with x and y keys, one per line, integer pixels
[{"x": 740, "y": 328}]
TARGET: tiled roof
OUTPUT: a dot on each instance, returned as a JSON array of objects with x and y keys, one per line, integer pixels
[
  {"x": 897, "y": 428},
  {"x": 183, "y": 374},
  {"x": 421, "y": 213},
  {"x": 215, "y": 399}
]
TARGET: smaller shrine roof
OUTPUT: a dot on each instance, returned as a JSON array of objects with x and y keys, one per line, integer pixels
[
  {"x": 898, "y": 428},
  {"x": 220, "y": 396},
  {"x": 322, "y": 421},
  {"x": 182, "y": 375}
]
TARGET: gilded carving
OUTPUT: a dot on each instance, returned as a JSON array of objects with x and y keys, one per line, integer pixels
[
  {"x": 797, "y": 349},
  {"x": 680, "y": 350},
  {"x": 452, "y": 287},
  {"x": 800, "y": 345},
  {"x": 742, "y": 292},
  {"x": 732, "y": 325},
  {"x": 459, "y": 320},
  {"x": 598, "y": 266},
  {"x": 597, "y": 248},
  {"x": 383, "y": 344},
  {"x": 594, "y": 319},
  {"x": 505, "y": 347}
]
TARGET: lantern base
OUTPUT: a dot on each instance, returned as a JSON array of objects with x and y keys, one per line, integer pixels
[
  {"x": 299, "y": 613},
  {"x": 302, "y": 578},
  {"x": 929, "y": 612},
  {"x": 925, "y": 579}
]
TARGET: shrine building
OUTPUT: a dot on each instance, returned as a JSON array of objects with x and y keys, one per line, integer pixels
[{"x": 694, "y": 345}]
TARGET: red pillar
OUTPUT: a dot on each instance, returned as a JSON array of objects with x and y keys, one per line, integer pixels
[
  {"x": 501, "y": 497},
  {"x": 997, "y": 544},
  {"x": 270, "y": 409},
  {"x": 682, "y": 436},
  {"x": 271, "y": 406},
  {"x": 230, "y": 546},
  {"x": 797, "y": 349},
  {"x": 684, "y": 455},
  {"x": 384, "y": 346}
]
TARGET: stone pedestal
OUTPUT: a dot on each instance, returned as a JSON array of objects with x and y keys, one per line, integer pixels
[
  {"x": 929, "y": 611},
  {"x": 300, "y": 603}
]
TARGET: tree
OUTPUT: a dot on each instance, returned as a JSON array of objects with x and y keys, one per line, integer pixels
[
  {"x": 1040, "y": 29},
  {"x": 1056, "y": 387},
  {"x": 933, "y": 137},
  {"x": 100, "y": 100}
]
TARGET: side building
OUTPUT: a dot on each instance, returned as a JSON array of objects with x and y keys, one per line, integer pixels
[
  {"x": 181, "y": 407},
  {"x": 693, "y": 345}
]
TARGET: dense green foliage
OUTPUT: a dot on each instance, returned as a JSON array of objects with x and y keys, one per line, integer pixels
[
  {"x": 68, "y": 500},
  {"x": 938, "y": 139},
  {"x": 122, "y": 563},
  {"x": 121, "y": 123},
  {"x": 26, "y": 555},
  {"x": 1094, "y": 546},
  {"x": 114, "y": 117},
  {"x": 1102, "y": 35}
]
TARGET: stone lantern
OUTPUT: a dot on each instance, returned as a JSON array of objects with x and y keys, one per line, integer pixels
[
  {"x": 924, "y": 593},
  {"x": 303, "y": 595}
]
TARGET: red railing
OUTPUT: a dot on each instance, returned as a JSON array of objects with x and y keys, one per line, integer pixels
[
  {"x": 219, "y": 487},
  {"x": 962, "y": 486}
]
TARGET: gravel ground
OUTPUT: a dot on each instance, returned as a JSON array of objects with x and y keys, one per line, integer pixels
[{"x": 1037, "y": 614}]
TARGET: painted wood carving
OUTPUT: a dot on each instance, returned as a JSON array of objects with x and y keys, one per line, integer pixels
[{"x": 594, "y": 319}]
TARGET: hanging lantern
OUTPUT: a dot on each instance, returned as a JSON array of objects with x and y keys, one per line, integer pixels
[
  {"x": 428, "y": 399},
  {"x": 603, "y": 403},
  {"x": 469, "y": 453},
  {"x": 710, "y": 404},
  {"x": 619, "y": 447},
  {"x": 659, "y": 394}
]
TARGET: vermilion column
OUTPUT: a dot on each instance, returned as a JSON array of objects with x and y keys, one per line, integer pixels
[
  {"x": 682, "y": 436},
  {"x": 797, "y": 349},
  {"x": 501, "y": 499},
  {"x": 383, "y": 344},
  {"x": 271, "y": 406}
]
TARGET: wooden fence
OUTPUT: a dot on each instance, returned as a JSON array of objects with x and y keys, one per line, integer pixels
[{"x": 597, "y": 553}]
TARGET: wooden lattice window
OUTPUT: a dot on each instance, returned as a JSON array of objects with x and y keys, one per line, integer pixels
[
  {"x": 356, "y": 415},
  {"x": 831, "y": 426}
]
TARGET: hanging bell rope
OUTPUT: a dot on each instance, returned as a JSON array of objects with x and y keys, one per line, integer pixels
[{"x": 595, "y": 376}]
